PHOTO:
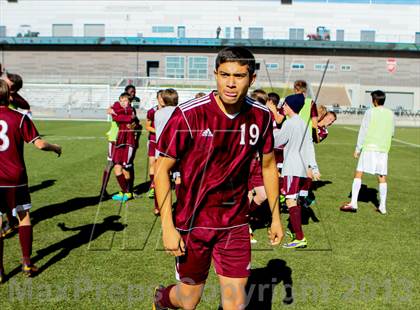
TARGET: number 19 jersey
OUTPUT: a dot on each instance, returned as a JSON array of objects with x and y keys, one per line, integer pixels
[{"x": 214, "y": 151}]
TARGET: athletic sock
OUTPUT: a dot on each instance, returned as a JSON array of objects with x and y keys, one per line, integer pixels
[
  {"x": 163, "y": 299},
  {"x": 122, "y": 182},
  {"x": 382, "y": 194},
  {"x": 152, "y": 177},
  {"x": 357, "y": 183},
  {"x": 296, "y": 221},
  {"x": 25, "y": 238}
]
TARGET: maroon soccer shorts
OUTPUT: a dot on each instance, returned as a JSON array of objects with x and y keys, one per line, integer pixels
[
  {"x": 123, "y": 156},
  {"x": 305, "y": 186},
  {"x": 151, "y": 148},
  {"x": 14, "y": 199},
  {"x": 255, "y": 175},
  {"x": 291, "y": 186},
  {"x": 229, "y": 248},
  {"x": 111, "y": 150}
]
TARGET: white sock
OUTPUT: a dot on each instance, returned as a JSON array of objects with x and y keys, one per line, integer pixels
[
  {"x": 382, "y": 195},
  {"x": 357, "y": 183}
]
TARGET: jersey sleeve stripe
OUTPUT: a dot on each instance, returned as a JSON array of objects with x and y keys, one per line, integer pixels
[
  {"x": 194, "y": 106},
  {"x": 34, "y": 139}
]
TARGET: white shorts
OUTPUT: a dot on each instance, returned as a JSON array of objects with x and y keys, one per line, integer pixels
[{"x": 373, "y": 162}]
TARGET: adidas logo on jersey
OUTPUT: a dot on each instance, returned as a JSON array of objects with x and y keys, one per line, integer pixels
[{"x": 207, "y": 133}]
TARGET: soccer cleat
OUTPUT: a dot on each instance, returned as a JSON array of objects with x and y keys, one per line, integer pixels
[
  {"x": 7, "y": 229},
  {"x": 282, "y": 198},
  {"x": 118, "y": 197},
  {"x": 29, "y": 270},
  {"x": 348, "y": 208},
  {"x": 151, "y": 193},
  {"x": 296, "y": 244},
  {"x": 382, "y": 210},
  {"x": 252, "y": 239},
  {"x": 127, "y": 196},
  {"x": 157, "y": 292},
  {"x": 290, "y": 235}
]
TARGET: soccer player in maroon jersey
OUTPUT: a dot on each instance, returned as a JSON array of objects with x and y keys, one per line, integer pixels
[
  {"x": 15, "y": 83},
  {"x": 213, "y": 139},
  {"x": 323, "y": 124},
  {"x": 151, "y": 146},
  {"x": 125, "y": 145},
  {"x": 15, "y": 129}
]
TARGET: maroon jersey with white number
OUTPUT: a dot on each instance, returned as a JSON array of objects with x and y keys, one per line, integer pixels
[
  {"x": 322, "y": 133},
  {"x": 15, "y": 129},
  {"x": 215, "y": 152},
  {"x": 151, "y": 117}
]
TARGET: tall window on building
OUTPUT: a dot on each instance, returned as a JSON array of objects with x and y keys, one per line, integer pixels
[
  {"x": 227, "y": 32},
  {"x": 198, "y": 67},
  {"x": 237, "y": 33},
  {"x": 94, "y": 30},
  {"x": 2, "y": 31},
  {"x": 62, "y": 30},
  {"x": 296, "y": 33},
  {"x": 256, "y": 33},
  {"x": 339, "y": 36},
  {"x": 175, "y": 67},
  {"x": 367, "y": 36},
  {"x": 181, "y": 32}
]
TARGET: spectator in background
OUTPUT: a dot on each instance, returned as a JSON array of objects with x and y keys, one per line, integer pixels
[
  {"x": 15, "y": 83},
  {"x": 199, "y": 95},
  {"x": 135, "y": 101},
  {"x": 218, "y": 30}
]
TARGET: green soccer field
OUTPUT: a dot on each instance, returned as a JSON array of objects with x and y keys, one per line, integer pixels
[{"x": 353, "y": 261}]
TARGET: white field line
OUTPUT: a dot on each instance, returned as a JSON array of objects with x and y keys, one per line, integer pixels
[{"x": 394, "y": 139}]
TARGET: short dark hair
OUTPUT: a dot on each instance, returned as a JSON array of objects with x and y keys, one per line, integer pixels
[
  {"x": 237, "y": 54},
  {"x": 170, "y": 97},
  {"x": 199, "y": 95},
  {"x": 260, "y": 96},
  {"x": 300, "y": 85},
  {"x": 274, "y": 97},
  {"x": 4, "y": 93},
  {"x": 378, "y": 96},
  {"x": 129, "y": 87},
  {"x": 159, "y": 93},
  {"x": 125, "y": 95},
  {"x": 16, "y": 79}
]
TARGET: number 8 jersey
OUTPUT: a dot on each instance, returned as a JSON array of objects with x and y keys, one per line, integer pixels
[
  {"x": 15, "y": 129},
  {"x": 214, "y": 151}
]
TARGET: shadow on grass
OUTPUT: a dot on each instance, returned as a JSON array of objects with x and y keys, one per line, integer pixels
[
  {"x": 42, "y": 185},
  {"x": 261, "y": 284},
  {"x": 367, "y": 194},
  {"x": 86, "y": 234},
  {"x": 142, "y": 188},
  {"x": 319, "y": 184}
]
